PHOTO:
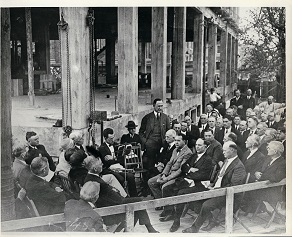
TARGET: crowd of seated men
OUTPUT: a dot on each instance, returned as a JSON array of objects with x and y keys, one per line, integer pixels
[{"x": 183, "y": 158}]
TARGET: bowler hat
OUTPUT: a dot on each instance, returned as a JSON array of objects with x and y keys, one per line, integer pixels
[{"x": 131, "y": 124}]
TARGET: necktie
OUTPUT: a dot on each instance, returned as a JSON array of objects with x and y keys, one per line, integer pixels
[
  {"x": 158, "y": 116},
  {"x": 223, "y": 168}
]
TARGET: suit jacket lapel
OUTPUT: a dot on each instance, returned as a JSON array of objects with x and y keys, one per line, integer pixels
[{"x": 231, "y": 166}]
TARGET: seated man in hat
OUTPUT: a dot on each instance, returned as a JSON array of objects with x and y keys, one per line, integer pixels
[
  {"x": 35, "y": 149},
  {"x": 132, "y": 136}
]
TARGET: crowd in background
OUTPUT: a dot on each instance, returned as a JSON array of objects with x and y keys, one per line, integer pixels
[{"x": 178, "y": 157}]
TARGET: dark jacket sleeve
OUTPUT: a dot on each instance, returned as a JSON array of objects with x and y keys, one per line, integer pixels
[
  {"x": 142, "y": 130},
  {"x": 203, "y": 173},
  {"x": 50, "y": 159}
]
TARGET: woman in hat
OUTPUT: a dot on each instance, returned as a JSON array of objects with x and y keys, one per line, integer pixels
[{"x": 132, "y": 137}]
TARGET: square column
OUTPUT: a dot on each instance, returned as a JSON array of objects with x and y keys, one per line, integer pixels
[
  {"x": 143, "y": 68},
  {"x": 110, "y": 61},
  {"x": 128, "y": 59},
  {"x": 229, "y": 60},
  {"x": 159, "y": 47},
  {"x": 223, "y": 58},
  {"x": 233, "y": 60},
  {"x": 198, "y": 53},
  {"x": 236, "y": 60},
  {"x": 178, "y": 54},
  {"x": 75, "y": 67},
  {"x": 212, "y": 54}
]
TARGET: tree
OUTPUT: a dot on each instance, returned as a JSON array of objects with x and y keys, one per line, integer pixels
[{"x": 265, "y": 44}]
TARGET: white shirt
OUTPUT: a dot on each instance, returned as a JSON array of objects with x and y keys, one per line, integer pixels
[
  {"x": 219, "y": 180},
  {"x": 111, "y": 147},
  {"x": 227, "y": 130},
  {"x": 251, "y": 153},
  {"x": 199, "y": 156},
  {"x": 155, "y": 113},
  {"x": 214, "y": 97}
]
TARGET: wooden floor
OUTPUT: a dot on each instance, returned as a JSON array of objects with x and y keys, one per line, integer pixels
[{"x": 256, "y": 224}]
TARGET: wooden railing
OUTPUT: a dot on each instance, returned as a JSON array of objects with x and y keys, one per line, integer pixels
[{"x": 130, "y": 208}]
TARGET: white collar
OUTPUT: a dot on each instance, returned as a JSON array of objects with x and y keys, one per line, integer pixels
[
  {"x": 91, "y": 204},
  {"x": 171, "y": 144},
  {"x": 94, "y": 174}
]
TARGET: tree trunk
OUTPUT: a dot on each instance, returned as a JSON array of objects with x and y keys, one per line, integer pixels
[{"x": 7, "y": 185}]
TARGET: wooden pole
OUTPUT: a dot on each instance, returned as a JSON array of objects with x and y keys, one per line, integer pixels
[
  {"x": 223, "y": 60},
  {"x": 212, "y": 45},
  {"x": 128, "y": 59},
  {"x": 229, "y": 210},
  {"x": 75, "y": 67},
  {"x": 159, "y": 47},
  {"x": 30, "y": 72},
  {"x": 129, "y": 218},
  {"x": 7, "y": 184},
  {"x": 178, "y": 54},
  {"x": 198, "y": 53}
]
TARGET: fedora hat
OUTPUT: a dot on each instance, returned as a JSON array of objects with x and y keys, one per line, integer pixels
[{"x": 131, "y": 124}]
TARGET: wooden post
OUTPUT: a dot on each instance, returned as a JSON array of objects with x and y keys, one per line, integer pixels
[
  {"x": 178, "y": 54},
  {"x": 7, "y": 183},
  {"x": 143, "y": 58},
  {"x": 128, "y": 59},
  {"x": 159, "y": 47},
  {"x": 236, "y": 60},
  {"x": 197, "y": 82},
  {"x": 110, "y": 61},
  {"x": 212, "y": 45},
  {"x": 223, "y": 60},
  {"x": 30, "y": 70},
  {"x": 229, "y": 60},
  {"x": 129, "y": 218},
  {"x": 229, "y": 210},
  {"x": 75, "y": 67}
]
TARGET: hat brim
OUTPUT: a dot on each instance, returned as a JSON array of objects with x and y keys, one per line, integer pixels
[{"x": 131, "y": 126}]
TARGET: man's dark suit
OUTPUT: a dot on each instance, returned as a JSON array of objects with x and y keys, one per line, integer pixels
[
  {"x": 238, "y": 102},
  {"x": 127, "y": 139},
  {"x": 109, "y": 197},
  {"x": 274, "y": 173},
  {"x": 215, "y": 151},
  {"x": 40, "y": 149},
  {"x": 104, "y": 150},
  {"x": 151, "y": 144},
  {"x": 221, "y": 134},
  {"x": 248, "y": 103},
  {"x": 181, "y": 186},
  {"x": 253, "y": 163},
  {"x": 47, "y": 200},
  {"x": 80, "y": 216},
  {"x": 275, "y": 125},
  {"x": 193, "y": 135},
  {"x": 242, "y": 139},
  {"x": 234, "y": 175}
]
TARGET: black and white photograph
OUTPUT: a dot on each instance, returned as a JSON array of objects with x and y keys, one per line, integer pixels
[{"x": 147, "y": 119}]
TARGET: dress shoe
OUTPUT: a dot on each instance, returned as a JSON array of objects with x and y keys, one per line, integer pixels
[
  {"x": 158, "y": 208},
  {"x": 166, "y": 218},
  {"x": 175, "y": 226},
  {"x": 191, "y": 229},
  {"x": 210, "y": 226},
  {"x": 164, "y": 214}
]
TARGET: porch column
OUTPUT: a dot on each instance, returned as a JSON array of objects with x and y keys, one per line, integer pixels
[
  {"x": 223, "y": 59},
  {"x": 198, "y": 53},
  {"x": 143, "y": 68},
  {"x": 75, "y": 67},
  {"x": 178, "y": 54},
  {"x": 128, "y": 59},
  {"x": 159, "y": 47},
  {"x": 110, "y": 61},
  {"x": 212, "y": 44}
]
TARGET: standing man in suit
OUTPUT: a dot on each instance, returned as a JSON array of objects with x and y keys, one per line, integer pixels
[
  {"x": 249, "y": 101},
  {"x": 231, "y": 173},
  {"x": 110, "y": 158},
  {"x": 252, "y": 123},
  {"x": 271, "y": 121},
  {"x": 212, "y": 126},
  {"x": 227, "y": 128},
  {"x": 172, "y": 169},
  {"x": 244, "y": 133},
  {"x": 261, "y": 129},
  {"x": 131, "y": 137},
  {"x": 196, "y": 169},
  {"x": 238, "y": 101},
  {"x": 214, "y": 148},
  {"x": 35, "y": 149},
  {"x": 48, "y": 197},
  {"x": 236, "y": 122},
  {"x": 152, "y": 132},
  {"x": 193, "y": 132},
  {"x": 203, "y": 124}
]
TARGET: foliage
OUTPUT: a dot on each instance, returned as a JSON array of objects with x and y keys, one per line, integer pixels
[{"x": 264, "y": 42}]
